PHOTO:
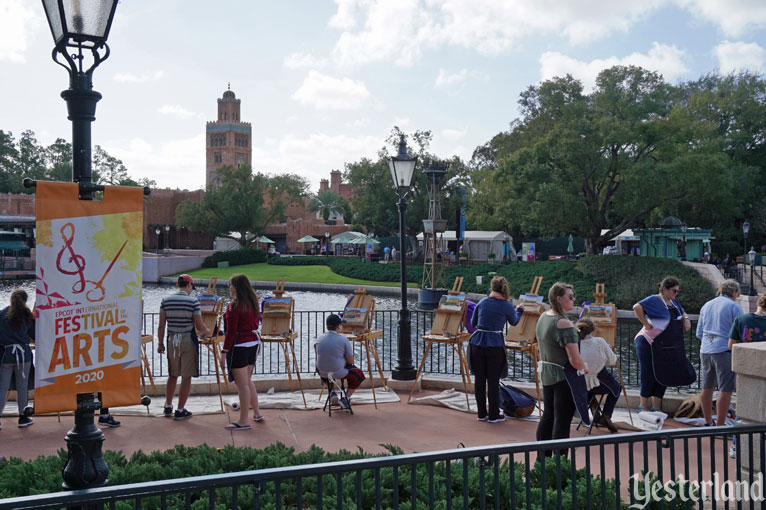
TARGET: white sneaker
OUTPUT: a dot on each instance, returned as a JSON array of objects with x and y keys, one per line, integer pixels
[{"x": 733, "y": 451}]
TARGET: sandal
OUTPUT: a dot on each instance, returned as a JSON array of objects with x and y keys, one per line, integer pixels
[
  {"x": 654, "y": 409},
  {"x": 258, "y": 418},
  {"x": 641, "y": 409},
  {"x": 237, "y": 426}
]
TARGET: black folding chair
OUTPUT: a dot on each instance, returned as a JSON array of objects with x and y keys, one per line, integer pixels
[{"x": 332, "y": 385}]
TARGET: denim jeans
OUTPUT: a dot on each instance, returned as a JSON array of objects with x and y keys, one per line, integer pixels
[{"x": 650, "y": 387}]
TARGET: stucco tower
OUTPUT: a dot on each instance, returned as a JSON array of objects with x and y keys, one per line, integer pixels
[{"x": 228, "y": 140}]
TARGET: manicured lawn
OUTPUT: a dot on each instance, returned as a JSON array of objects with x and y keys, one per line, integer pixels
[{"x": 270, "y": 273}]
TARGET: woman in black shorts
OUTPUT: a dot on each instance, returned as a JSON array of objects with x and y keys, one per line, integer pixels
[{"x": 241, "y": 346}]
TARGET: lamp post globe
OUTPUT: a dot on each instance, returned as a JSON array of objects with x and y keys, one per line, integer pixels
[
  {"x": 752, "y": 254},
  {"x": 167, "y": 237},
  {"x": 402, "y": 168},
  {"x": 80, "y": 30}
]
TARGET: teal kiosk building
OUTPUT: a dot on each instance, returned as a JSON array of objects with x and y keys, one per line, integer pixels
[{"x": 674, "y": 239}]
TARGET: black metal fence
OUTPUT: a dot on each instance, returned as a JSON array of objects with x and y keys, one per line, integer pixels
[
  {"x": 682, "y": 468},
  {"x": 441, "y": 359}
]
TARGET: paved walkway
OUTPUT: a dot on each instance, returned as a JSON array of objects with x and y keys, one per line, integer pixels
[{"x": 414, "y": 428}]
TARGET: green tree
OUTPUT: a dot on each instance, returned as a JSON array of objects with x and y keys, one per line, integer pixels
[
  {"x": 375, "y": 198},
  {"x": 603, "y": 161},
  {"x": 327, "y": 203},
  {"x": 245, "y": 203},
  {"x": 10, "y": 180}
]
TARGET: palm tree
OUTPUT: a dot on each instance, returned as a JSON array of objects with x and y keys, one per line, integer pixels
[{"x": 327, "y": 203}]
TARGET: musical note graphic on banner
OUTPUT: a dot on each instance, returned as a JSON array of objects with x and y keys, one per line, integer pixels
[{"x": 77, "y": 260}]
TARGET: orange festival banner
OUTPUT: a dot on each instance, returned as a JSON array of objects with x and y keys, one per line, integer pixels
[{"x": 88, "y": 305}]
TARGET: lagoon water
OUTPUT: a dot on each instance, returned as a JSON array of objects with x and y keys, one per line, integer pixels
[{"x": 153, "y": 294}]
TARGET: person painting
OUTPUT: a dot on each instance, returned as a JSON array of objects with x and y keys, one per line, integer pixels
[
  {"x": 17, "y": 326},
  {"x": 488, "y": 347},
  {"x": 557, "y": 339},
  {"x": 664, "y": 320},
  {"x": 241, "y": 347},
  {"x": 598, "y": 354}
]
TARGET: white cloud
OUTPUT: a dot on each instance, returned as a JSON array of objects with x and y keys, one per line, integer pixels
[
  {"x": 664, "y": 59},
  {"x": 313, "y": 156},
  {"x": 173, "y": 164},
  {"x": 453, "y": 134},
  {"x": 399, "y": 30},
  {"x": 327, "y": 93},
  {"x": 18, "y": 23},
  {"x": 179, "y": 111},
  {"x": 733, "y": 17},
  {"x": 139, "y": 78},
  {"x": 300, "y": 60},
  {"x": 345, "y": 17},
  {"x": 738, "y": 56},
  {"x": 445, "y": 78}
]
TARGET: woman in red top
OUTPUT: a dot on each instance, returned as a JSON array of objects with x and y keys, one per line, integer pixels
[{"x": 241, "y": 346}]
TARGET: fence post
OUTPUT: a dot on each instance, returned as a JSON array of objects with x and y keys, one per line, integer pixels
[{"x": 748, "y": 360}]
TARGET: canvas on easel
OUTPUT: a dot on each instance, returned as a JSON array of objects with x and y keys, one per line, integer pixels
[
  {"x": 447, "y": 328},
  {"x": 278, "y": 326},
  {"x": 603, "y": 315},
  {"x": 524, "y": 331},
  {"x": 357, "y": 315}
]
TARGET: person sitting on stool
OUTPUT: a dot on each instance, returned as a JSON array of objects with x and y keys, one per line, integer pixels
[
  {"x": 597, "y": 353},
  {"x": 336, "y": 356}
]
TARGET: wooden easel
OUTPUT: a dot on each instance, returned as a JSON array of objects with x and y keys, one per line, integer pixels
[
  {"x": 278, "y": 327},
  {"x": 211, "y": 283},
  {"x": 522, "y": 337},
  {"x": 213, "y": 321},
  {"x": 146, "y": 370},
  {"x": 447, "y": 328},
  {"x": 361, "y": 331},
  {"x": 606, "y": 328}
]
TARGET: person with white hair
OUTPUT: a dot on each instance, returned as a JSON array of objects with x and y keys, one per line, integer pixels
[{"x": 715, "y": 321}]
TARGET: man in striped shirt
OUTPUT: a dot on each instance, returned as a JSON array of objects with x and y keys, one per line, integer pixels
[{"x": 181, "y": 313}]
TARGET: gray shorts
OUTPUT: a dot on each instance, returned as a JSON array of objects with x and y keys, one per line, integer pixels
[{"x": 716, "y": 371}]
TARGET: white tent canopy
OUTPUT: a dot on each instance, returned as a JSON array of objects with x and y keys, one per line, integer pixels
[{"x": 478, "y": 243}]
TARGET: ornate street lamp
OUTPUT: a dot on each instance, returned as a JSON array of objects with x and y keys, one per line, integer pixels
[
  {"x": 402, "y": 168},
  {"x": 745, "y": 231},
  {"x": 167, "y": 236},
  {"x": 751, "y": 253},
  {"x": 80, "y": 29},
  {"x": 683, "y": 241},
  {"x": 327, "y": 243},
  {"x": 158, "y": 231}
]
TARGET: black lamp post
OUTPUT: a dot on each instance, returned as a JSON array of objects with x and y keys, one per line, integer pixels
[
  {"x": 158, "y": 231},
  {"x": 752, "y": 270},
  {"x": 745, "y": 231},
  {"x": 683, "y": 241},
  {"x": 327, "y": 243},
  {"x": 80, "y": 30},
  {"x": 167, "y": 237},
  {"x": 402, "y": 168}
]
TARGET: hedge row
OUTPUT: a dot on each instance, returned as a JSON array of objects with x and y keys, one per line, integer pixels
[
  {"x": 626, "y": 279},
  {"x": 43, "y": 475},
  {"x": 235, "y": 257}
]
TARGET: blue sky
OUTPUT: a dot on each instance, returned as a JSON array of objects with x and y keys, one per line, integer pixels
[{"x": 323, "y": 82}]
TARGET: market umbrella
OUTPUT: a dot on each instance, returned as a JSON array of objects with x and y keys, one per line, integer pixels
[
  {"x": 264, "y": 239},
  {"x": 365, "y": 240},
  {"x": 346, "y": 237},
  {"x": 308, "y": 239}
]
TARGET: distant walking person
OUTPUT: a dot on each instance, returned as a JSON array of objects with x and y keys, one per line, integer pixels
[
  {"x": 663, "y": 319},
  {"x": 181, "y": 312},
  {"x": 488, "y": 347},
  {"x": 17, "y": 326},
  {"x": 715, "y": 321},
  {"x": 241, "y": 347}
]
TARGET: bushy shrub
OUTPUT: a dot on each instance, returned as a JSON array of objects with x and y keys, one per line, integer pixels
[
  {"x": 235, "y": 257},
  {"x": 627, "y": 279},
  {"x": 43, "y": 475}
]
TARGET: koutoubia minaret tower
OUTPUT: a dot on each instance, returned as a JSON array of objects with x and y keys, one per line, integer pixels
[{"x": 228, "y": 139}]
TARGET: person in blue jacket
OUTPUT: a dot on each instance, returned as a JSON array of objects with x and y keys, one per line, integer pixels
[
  {"x": 488, "y": 347},
  {"x": 17, "y": 326}
]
